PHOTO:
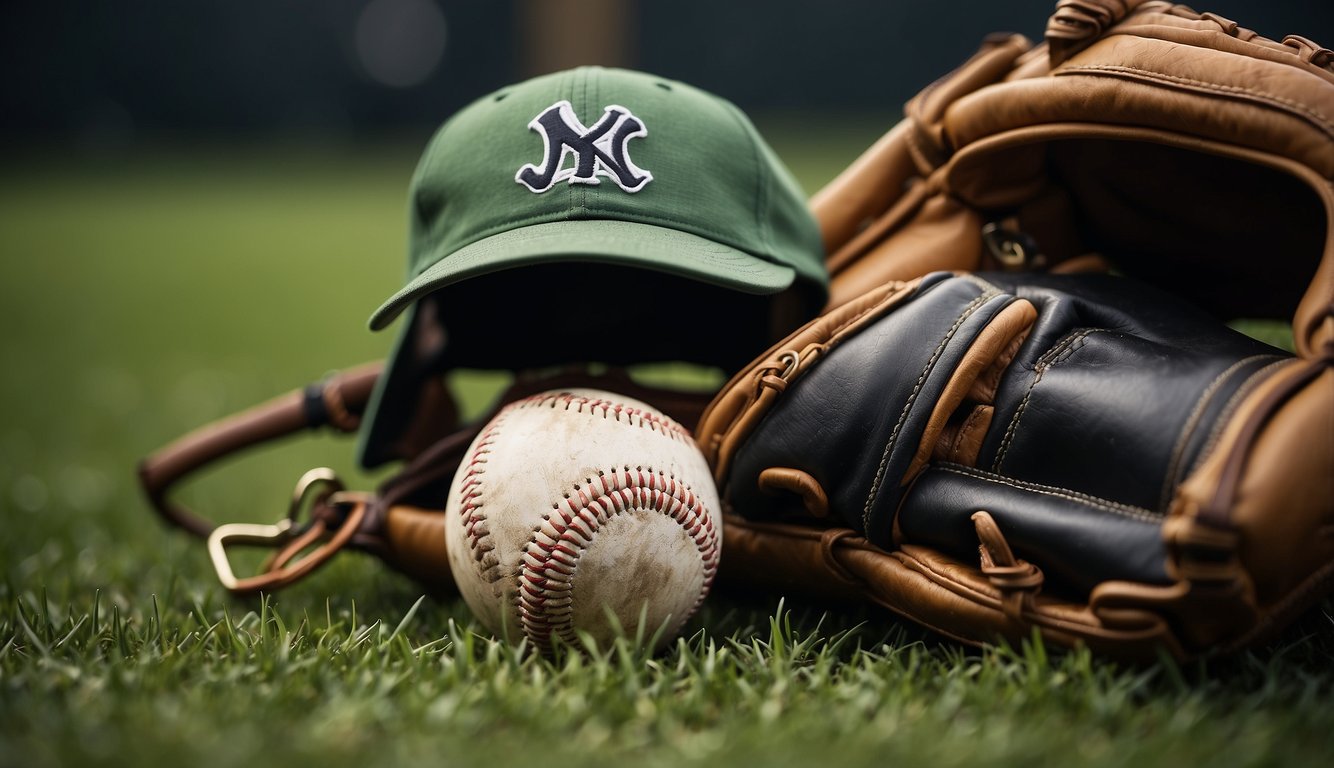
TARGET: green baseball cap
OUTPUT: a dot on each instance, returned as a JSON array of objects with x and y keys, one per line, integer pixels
[{"x": 591, "y": 166}]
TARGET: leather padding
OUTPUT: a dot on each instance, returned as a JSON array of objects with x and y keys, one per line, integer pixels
[
  {"x": 1096, "y": 401},
  {"x": 1117, "y": 389},
  {"x": 1080, "y": 540},
  {"x": 1169, "y": 479},
  {"x": 855, "y": 421}
]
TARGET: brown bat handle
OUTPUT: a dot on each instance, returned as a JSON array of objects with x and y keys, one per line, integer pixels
[
  {"x": 416, "y": 539},
  {"x": 336, "y": 402}
]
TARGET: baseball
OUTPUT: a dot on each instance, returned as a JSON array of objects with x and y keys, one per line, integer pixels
[{"x": 580, "y": 510}]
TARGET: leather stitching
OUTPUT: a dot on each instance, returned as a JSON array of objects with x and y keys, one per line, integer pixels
[
  {"x": 608, "y": 409},
  {"x": 472, "y": 516},
  {"x": 1058, "y": 353},
  {"x": 472, "y": 512},
  {"x": 831, "y": 337},
  {"x": 1171, "y": 479},
  {"x": 1233, "y": 403},
  {"x": 889, "y": 301},
  {"x": 1103, "y": 505},
  {"x": 551, "y": 559},
  {"x": 912, "y": 398},
  {"x": 1320, "y": 120},
  {"x": 966, "y": 429}
]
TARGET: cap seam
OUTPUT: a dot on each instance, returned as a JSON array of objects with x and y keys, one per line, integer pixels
[
  {"x": 761, "y": 187},
  {"x": 432, "y": 149}
]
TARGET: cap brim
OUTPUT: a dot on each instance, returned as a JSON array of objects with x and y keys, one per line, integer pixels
[
  {"x": 395, "y": 394},
  {"x": 624, "y": 243}
]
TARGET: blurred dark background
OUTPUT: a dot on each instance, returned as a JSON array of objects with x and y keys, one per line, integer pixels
[{"x": 107, "y": 76}]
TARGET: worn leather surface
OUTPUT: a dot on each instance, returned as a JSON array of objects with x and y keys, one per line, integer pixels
[
  {"x": 1114, "y": 393},
  {"x": 855, "y": 422},
  {"x": 1171, "y": 482},
  {"x": 1181, "y": 147},
  {"x": 1177, "y": 147},
  {"x": 1079, "y": 540},
  {"x": 1110, "y": 422},
  {"x": 1117, "y": 389}
]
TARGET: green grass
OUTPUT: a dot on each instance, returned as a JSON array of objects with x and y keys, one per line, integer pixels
[{"x": 142, "y": 298}]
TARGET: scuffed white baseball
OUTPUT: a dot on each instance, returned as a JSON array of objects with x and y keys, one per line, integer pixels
[{"x": 576, "y": 506}]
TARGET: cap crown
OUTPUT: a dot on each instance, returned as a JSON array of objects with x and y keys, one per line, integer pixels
[{"x": 640, "y": 149}]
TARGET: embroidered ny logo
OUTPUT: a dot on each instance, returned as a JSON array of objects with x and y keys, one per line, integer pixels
[{"x": 599, "y": 151}]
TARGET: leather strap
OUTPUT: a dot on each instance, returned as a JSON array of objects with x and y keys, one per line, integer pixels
[
  {"x": 292, "y": 563},
  {"x": 337, "y": 402}
]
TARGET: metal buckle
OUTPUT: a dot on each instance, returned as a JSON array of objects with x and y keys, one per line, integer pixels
[
  {"x": 1013, "y": 250},
  {"x": 243, "y": 533},
  {"x": 317, "y": 485}
]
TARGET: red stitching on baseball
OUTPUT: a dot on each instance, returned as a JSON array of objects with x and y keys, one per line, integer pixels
[
  {"x": 552, "y": 555},
  {"x": 607, "y": 409},
  {"x": 471, "y": 512}
]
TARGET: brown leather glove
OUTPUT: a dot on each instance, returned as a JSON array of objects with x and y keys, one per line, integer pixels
[
  {"x": 1177, "y": 147},
  {"x": 990, "y": 454}
]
